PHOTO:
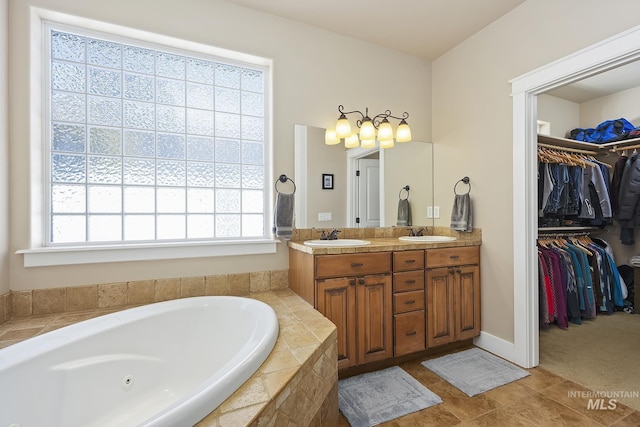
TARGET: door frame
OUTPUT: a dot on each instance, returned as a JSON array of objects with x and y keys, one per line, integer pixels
[
  {"x": 610, "y": 53},
  {"x": 353, "y": 155}
]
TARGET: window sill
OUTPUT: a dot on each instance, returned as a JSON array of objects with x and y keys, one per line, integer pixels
[{"x": 48, "y": 256}]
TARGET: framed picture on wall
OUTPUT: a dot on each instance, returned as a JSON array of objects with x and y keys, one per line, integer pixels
[{"x": 327, "y": 181}]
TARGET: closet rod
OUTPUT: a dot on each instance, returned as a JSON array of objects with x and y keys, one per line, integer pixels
[
  {"x": 628, "y": 147},
  {"x": 571, "y": 150},
  {"x": 542, "y": 236}
]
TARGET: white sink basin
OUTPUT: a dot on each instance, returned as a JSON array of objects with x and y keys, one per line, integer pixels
[
  {"x": 427, "y": 239},
  {"x": 336, "y": 243}
]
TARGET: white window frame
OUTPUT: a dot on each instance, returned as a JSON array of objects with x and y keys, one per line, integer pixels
[{"x": 39, "y": 254}]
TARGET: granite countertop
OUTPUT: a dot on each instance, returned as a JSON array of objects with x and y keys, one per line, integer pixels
[{"x": 382, "y": 244}]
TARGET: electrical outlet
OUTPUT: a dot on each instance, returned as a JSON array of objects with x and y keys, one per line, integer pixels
[
  {"x": 324, "y": 216},
  {"x": 429, "y": 211},
  {"x": 436, "y": 211}
]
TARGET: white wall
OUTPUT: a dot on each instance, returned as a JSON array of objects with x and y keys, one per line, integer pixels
[
  {"x": 314, "y": 72},
  {"x": 472, "y": 122},
  {"x": 4, "y": 148},
  {"x": 562, "y": 114},
  {"x": 621, "y": 104}
]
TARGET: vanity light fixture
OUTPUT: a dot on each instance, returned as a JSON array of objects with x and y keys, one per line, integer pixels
[{"x": 368, "y": 128}]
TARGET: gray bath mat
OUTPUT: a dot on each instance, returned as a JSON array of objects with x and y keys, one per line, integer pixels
[
  {"x": 475, "y": 371},
  {"x": 376, "y": 397}
]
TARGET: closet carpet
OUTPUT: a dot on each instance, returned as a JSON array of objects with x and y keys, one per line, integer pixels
[{"x": 602, "y": 354}]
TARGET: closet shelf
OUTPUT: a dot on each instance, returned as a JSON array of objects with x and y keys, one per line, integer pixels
[
  {"x": 553, "y": 230},
  {"x": 571, "y": 143}
]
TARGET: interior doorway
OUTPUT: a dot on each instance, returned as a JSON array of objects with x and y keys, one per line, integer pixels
[
  {"x": 616, "y": 51},
  {"x": 365, "y": 195},
  {"x": 368, "y": 177}
]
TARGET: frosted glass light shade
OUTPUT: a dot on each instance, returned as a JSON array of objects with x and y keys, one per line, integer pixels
[
  {"x": 367, "y": 130},
  {"x": 330, "y": 137},
  {"x": 385, "y": 131},
  {"x": 343, "y": 127},
  {"x": 404, "y": 132},
  {"x": 352, "y": 141},
  {"x": 386, "y": 143},
  {"x": 368, "y": 143}
]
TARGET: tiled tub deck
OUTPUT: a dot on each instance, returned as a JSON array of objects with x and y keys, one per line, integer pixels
[{"x": 296, "y": 385}]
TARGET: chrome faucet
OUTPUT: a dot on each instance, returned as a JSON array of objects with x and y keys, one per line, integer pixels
[
  {"x": 332, "y": 235},
  {"x": 418, "y": 232}
]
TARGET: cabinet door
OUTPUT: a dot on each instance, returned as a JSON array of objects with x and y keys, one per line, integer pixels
[
  {"x": 336, "y": 301},
  {"x": 440, "y": 296},
  {"x": 467, "y": 301},
  {"x": 374, "y": 327}
]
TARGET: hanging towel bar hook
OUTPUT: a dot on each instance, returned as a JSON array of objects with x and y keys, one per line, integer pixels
[
  {"x": 464, "y": 180},
  {"x": 284, "y": 178},
  {"x": 406, "y": 188}
]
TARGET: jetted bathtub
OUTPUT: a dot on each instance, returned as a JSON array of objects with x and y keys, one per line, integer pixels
[{"x": 163, "y": 364}]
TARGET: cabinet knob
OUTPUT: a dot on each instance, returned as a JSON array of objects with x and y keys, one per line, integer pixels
[
  {"x": 411, "y": 333},
  {"x": 451, "y": 271},
  {"x": 458, "y": 271},
  {"x": 454, "y": 256},
  {"x": 410, "y": 282},
  {"x": 410, "y": 302},
  {"x": 356, "y": 264},
  {"x": 410, "y": 261},
  {"x": 352, "y": 282},
  {"x": 361, "y": 281}
]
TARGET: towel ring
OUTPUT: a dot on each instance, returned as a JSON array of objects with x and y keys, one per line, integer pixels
[
  {"x": 284, "y": 178},
  {"x": 405, "y": 188},
  {"x": 464, "y": 180}
]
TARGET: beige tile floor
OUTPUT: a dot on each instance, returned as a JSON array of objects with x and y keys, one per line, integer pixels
[{"x": 541, "y": 399}]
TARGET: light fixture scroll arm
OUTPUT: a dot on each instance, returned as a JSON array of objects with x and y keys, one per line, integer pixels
[
  {"x": 405, "y": 115},
  {"x": 345, "y": 113}
]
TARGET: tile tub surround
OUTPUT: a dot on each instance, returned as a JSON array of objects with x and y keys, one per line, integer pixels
[
  {"x": 21, "y": 304},
  {"x": 296, "y": 385},
  {"x": 5, "y": 307}
]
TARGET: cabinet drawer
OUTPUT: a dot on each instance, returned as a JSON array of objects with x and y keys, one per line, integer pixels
[
  {"x": 452, "y": 256},
  {"x": 408, "y": 301},
  {"x": 353, "y": 264},
  {"x": 408, "y": 281},
  {"x": 409, "y": 332},
  {"x": 408, "y": 260}
]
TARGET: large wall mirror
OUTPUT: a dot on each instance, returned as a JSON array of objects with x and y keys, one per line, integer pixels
[{"x": 331, "y": 195}]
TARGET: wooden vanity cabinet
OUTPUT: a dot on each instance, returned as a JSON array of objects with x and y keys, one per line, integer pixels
[
  {"x": 453, "y": 294},
  {"x": 389, "y": 304},
  {"x": 408, "y": 302},
  {"x": 354, "y": 291}
]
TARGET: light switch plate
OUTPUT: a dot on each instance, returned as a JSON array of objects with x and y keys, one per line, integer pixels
[
  {"x": 324, "y": 216},
  {"x": 436, "y": 211},
  {"x": 429, "y": 211}
]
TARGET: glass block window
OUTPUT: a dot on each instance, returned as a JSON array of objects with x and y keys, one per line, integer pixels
[{"x": 151, "y": 144}]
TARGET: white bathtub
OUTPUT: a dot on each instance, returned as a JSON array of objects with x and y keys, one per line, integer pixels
[{"x": 163, "y": 364}]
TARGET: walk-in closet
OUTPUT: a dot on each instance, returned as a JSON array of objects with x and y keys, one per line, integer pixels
[{"x": 588, "y": 239}]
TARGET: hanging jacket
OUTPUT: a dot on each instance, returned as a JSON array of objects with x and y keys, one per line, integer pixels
[
  {"x": 628, "y": 212},
  {"x": 618, "y": 170},
  {"x": 629, "y": 195}
]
